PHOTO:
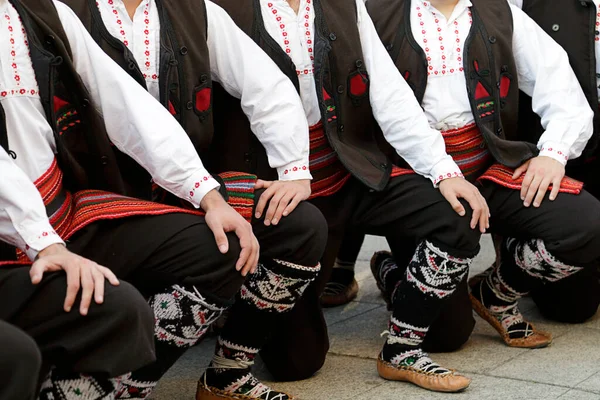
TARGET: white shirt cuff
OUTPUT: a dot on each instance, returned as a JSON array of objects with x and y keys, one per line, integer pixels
[
  {"x": 198, "y": 186},
  {"x": 294, "y": 171},
  {"x": 555, "y": 150},
  {"x": 445, "y": 169},
  {"x": 37, "y": 237}
]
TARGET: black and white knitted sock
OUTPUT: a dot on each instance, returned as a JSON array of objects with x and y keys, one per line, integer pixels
[
  {"x": 431, "y": 277},
  {"x": 388, "y": 274},
  {"x": 182, "y": 317},
  {"x": 524, "y": 266},
  {"x": 267, "y": 295},
  {"x": 71, "y": 386}
]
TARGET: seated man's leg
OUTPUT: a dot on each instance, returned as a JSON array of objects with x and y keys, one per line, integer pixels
[
  {"x": 174, "y": 260},
  {"x": 342, "y": 287},
  {"x": 411, "y": 207},
  {"x": 290, "y": 254},
  {"x": 542, "y": 245},
  {"x": 573, "y": 300},
  {"x": 20, "y": 364},
  {"x": 85, "y": 354}
]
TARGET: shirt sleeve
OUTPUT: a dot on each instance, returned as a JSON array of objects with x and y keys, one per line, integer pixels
[
  {"x": 398, "y": 112},
  {"x": 545, "y": 74},
  {"x": 136, "y": 123},
  {"x": 516, "y": 3},
  {"x": 23, "y": 220},
  {"x": 268, "y": 98}
]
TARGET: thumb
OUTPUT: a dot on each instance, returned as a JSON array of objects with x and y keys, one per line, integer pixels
[
  {"x": 456, "y": 205},
  {"x": 260, "y": 184},
  {"x": 520, "y": 171},
  {"x": 36, "y": 272},
  {"x": 220, "y": 237}
]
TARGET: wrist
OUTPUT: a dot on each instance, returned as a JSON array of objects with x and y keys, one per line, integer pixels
[
  {"x": 51, "y": 250},
  {"x": 211, "y": 199}
]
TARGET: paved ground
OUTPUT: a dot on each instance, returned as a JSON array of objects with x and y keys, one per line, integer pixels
[{"x": 569, "y": 369}]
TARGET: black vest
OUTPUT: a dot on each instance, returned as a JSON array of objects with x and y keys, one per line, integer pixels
[
  {"x": 184, "y": 70},
  {"x": 572, "y": 24},
  {"x": 85, "y": 154},
  {"x": 488, "y": 64},
  {"x": 342, "y": 85}
]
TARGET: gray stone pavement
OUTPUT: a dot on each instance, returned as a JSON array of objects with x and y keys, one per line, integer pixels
[{"x": 568, "y": 369}]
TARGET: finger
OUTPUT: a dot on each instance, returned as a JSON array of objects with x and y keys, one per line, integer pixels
[
  {"x": 262, "y": 202},
  {"x": 477, "y": 210},
  {"x": 108, "y": 274},
  {"x": 98, "y": 285},
  {"x": 260, "y": 184},
  {"x": 245, "y": 237},
  {"x": 485, "y": 211},
  {"x": 73, "y": 284},
  {"x": 531, "y": 191},
  {"x": 456, "y": 205},
  {"x": 283, "y": 203},
  {"x": 257, "y": 258},
  {"x": 519, "y": 171},
  {"x": 555, "y": 188},
  {"x": 273, "y": 207},
  {"x": 541, "y": 193},
  {"x": 87, "y": 289},
  {"x": 293, "y": 204},
  {"x": 37, "y": 271},
  {"x": 526, "y": 183},
  {"x": 220, "y": 237},
  {"x": 484, "y": 223},
  {"x": 250, "y": 263}
]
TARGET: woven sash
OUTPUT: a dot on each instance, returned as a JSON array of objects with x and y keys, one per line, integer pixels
[{"x": 329, "y": 174}]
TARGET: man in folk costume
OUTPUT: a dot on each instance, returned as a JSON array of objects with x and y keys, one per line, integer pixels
[
  {"x": 331, "y": 52},
  {"x": 189, "y": 263},
  {"x": 94, "y": 332},
  {"x": 177, "y": 50},
  {"x": 576, "y": 299},
  {"x": 466, "y": 62}
]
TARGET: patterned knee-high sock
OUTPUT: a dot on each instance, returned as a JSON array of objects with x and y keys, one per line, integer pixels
[
  {"x": 182, "y": 317},
  {"x": 388, "y": 274},
  {"x": 430, "y": 278},
  {"x": 266, "y": 296},
  {"x": 60, "y": 385},
  {"x": 524, "y": 266}
]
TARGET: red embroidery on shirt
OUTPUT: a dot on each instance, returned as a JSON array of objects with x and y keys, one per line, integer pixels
[
  {"x": 446, "y": 65},
  {"x": 307, "y": 35}
]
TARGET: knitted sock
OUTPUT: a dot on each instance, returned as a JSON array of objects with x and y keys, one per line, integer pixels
[
  {"x": 524, "y": 266},
  {"x": 267, "y": 295},
  {"x": 61, "y": 385},
  {"x": 431, "y": 277},
  {"x": 387, "y": 274},
  {"x": 182, "y": 317}
]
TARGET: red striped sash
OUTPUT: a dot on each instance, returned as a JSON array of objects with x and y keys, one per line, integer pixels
[
  {"x": 467, "y": 147},
  {"x": 329, "y": 174},
  {"x": 71, "y": 213}
]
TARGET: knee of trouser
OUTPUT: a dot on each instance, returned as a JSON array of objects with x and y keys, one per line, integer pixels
[
  {"x": 125, "y": 303},
  {"x": 20, "y": 356},
  {"x": 454, "y": 234},
  {"x": 306, "y": 229},
  {"x": 225, "y": 280}
]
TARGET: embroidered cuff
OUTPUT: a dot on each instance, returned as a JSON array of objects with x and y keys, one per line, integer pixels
[
  {"x": 37, "y": 236},
  {"x": 555, "y": 150},
  {"x": 445, "y": 169},
  {"x": 197, "y": 187},
  {"x": 294, "y": 171}
]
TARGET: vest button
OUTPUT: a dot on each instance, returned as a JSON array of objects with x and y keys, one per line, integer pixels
[
  {"x": 183, "y": 50},
  {"x": 189, "y": 105},
  {"x": 50, "y": 39},
  {"x": 389, "y": 47},
  {"x": 358, "y": 64},
  {"x": 202, "y": 118},
  {"x": 248, "y": 157},
  {"x": 340, "y": 89},
  {"x": 85, "y": 103},
  {"x": 597, "y": 33},
  {"x": 341, "y": 128},
  {"x": 203, "y": 78},
  {"x": 383, "y": 165},
  {"x": 492, "y": 39},
  {"x": 555, "y": 27},
  {"x": 583, "y": 3},
  {"x": 104, "y": 160},
  {"x": 332, "y": 36}
]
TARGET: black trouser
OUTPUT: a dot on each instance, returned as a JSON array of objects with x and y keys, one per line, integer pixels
[{"x": 403, "y": 209}]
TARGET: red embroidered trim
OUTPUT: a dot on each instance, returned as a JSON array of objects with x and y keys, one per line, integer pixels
[
  {"x": 197, "y": 185},
  {"x": 504, "y": 86},
  {"x": 203, "y": 99},
  {"x": 446, "y": 67},
  {"x": 307, "y": 35},
  {"x": 481, "y": 92},
  {"x": 295, "y": 169},
  {"x": 358, "y": 86},
  {"x": 449, "y": 175},
  {"x": 502, "y": 175},
  {"x": 557, "y": 152},
  {"x": 329, "y": 174}
]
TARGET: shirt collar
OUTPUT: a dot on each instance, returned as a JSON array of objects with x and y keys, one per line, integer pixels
[{"x": 461, "y": 7}]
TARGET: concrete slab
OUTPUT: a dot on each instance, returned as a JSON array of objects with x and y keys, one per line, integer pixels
[
  {"x": 592, "y": 384},
  {"x": 570, "y": 360},
  {"x": 579, "y": 395},
  {"x": 350, "y": 310}
]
